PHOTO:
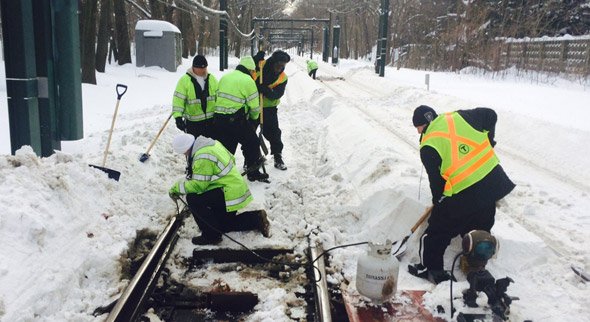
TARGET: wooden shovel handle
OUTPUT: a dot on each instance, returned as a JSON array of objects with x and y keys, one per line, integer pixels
[
  {"x": 422, "y": 218},
  {"x": 158, "y": 135}
]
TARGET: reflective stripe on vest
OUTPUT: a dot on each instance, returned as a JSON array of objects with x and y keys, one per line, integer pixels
[
  {"x": 180, "y": 95},
  {"x": 225, "y": 169},
  {"x": 279, "y": 80},
  {"x": 181, "y": 187},
  {"x": 466, "y": 158},
  {"x": 237, "y": 201},
  {"x": 232, "y": 98}
]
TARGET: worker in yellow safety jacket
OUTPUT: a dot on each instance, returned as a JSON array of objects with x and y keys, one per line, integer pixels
[
  {"x": 237, "y": 105},
  {"x": 215, "y": 190},
  {"x": 272, "y": 82},
  {"x": 312, "y": 68},
  {"x": 193, "y": 102},
  {"x": 466, "y": 180}
]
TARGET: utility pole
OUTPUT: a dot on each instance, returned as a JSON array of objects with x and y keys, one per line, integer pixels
[
  {"x": 382, "y": 39},
  {"x": 222, "y": 36},
  {"x": 336, "y": 43}
]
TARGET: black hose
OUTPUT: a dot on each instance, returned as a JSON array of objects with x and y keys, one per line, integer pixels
[
  {"x": 271, "y": 260},
  {"x": 452, "y": 278}
]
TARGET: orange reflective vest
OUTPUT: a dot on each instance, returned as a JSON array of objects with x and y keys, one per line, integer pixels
[
  {"x": 466, "y": 153},
  {"x": 281, "y": 79}
]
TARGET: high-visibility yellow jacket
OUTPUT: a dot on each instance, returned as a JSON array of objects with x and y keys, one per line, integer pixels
[
  {"x": 311, "y": 65},
  {"x": 466, "y": 153},
  {"x": 185, "y": 102},
  {"x": 237, "y": 90},
  {"x": 213, "y": 166}
]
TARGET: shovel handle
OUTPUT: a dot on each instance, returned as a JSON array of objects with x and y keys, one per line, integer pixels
[
  {"x": 158, "y": 135},
  {"x": 121, "y": 92},
  {"x": 422, "y": 219},
  {"x": 261, "y": 102}
]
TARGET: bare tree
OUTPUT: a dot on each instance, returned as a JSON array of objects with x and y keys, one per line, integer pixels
[
  {"x": 122, "y": 32},
  {"x": 104, "y": 27},
  {"x": 88, "y": 41}
]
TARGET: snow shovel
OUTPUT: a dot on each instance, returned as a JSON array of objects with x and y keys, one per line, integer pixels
[
  {"x": 260, "y": 136},
  {"x": 110, "y": 172},
  {"x": 146, "y": 155},
  {"x": 403, "y": 245}
]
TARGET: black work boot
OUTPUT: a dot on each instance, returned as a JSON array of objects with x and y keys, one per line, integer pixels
[
  {"x": 279, "y": 164},
  {"x": 263, "y": 224},
  {"x": 256, "y": 175},
  {"x": 258, "y": 163},
  {"x": 434, "y": 276}
]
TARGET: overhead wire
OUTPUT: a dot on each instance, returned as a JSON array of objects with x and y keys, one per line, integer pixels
[{"x": 220, "y": 13}]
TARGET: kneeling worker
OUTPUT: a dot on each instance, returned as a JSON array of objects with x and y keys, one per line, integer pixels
[{"x": 215, "y": 190}]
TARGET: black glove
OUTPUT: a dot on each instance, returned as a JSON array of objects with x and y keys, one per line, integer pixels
[
  {"x": 259, "y": 56},
  {"x": 254, "y": 123},
  {"x": 263, "y": 89},
  {"x": 173, "y": 195},
  {"x": 180, "y": 124}
]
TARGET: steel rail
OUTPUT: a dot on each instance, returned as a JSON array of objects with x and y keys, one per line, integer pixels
[
  {"x": 321, "y": 286},
  {"x": 130, "y": 304}
]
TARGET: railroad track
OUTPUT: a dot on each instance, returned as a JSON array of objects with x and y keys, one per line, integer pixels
[
  {"x": 178, "y": 298},
  {"x": 339, "y": 93}
]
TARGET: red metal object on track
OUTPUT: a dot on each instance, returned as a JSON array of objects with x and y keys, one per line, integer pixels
[{"x": 408, "y": 307}]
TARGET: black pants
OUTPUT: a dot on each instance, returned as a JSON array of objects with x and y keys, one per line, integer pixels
[
  {"x": 204, "y": 128},
  {"x": 444, "y": 224},
  {"x": 312, "y": 73},
  {"x": 233, "y": 129},
  {"x": 271, "y": 130},
  {"x": 209, "y": 212}
]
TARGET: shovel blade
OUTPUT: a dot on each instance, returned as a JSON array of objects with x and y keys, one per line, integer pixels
[
  {"x": 113, "y": 174},
  {"x": 262, "y": 143},
  {"x": 144, "y": 157},
  {"x": 400, "y": 247}
]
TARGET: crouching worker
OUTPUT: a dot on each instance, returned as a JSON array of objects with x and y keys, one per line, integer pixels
[
  {"x": 312, "y": 68},
  {"x": 215, "y": 190},
  {"x": 466, "y": 180}
]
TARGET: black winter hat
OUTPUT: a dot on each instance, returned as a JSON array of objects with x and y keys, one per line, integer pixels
[
  {"x": 423, "y": 115},
  {"x": 259, "y": 55},
  {"x": 199, "y": 61},
  {"x": 280, "y": 56}
]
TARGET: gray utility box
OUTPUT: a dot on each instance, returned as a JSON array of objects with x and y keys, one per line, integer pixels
[{"x": 158, "y": 43}]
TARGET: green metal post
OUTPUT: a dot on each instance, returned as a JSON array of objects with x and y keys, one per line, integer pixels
[
  {"x": 336, "y": 43},
  {"x": 48, "y": 119},
  {"x": 311, "y": 46},
  {"x": 66, "y": 42},
  {"x": 222, "y": 36},
  {"x": 252, "y": 53},
  {"x": 383, "y": 40},
  {"x": 21, "y": 78},
  {"x": 379, "y": 36},
  {"x": 326, "y": 51}
]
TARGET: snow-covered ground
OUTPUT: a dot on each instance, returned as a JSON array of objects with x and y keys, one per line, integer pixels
[{"x": 354, "y": 175}]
